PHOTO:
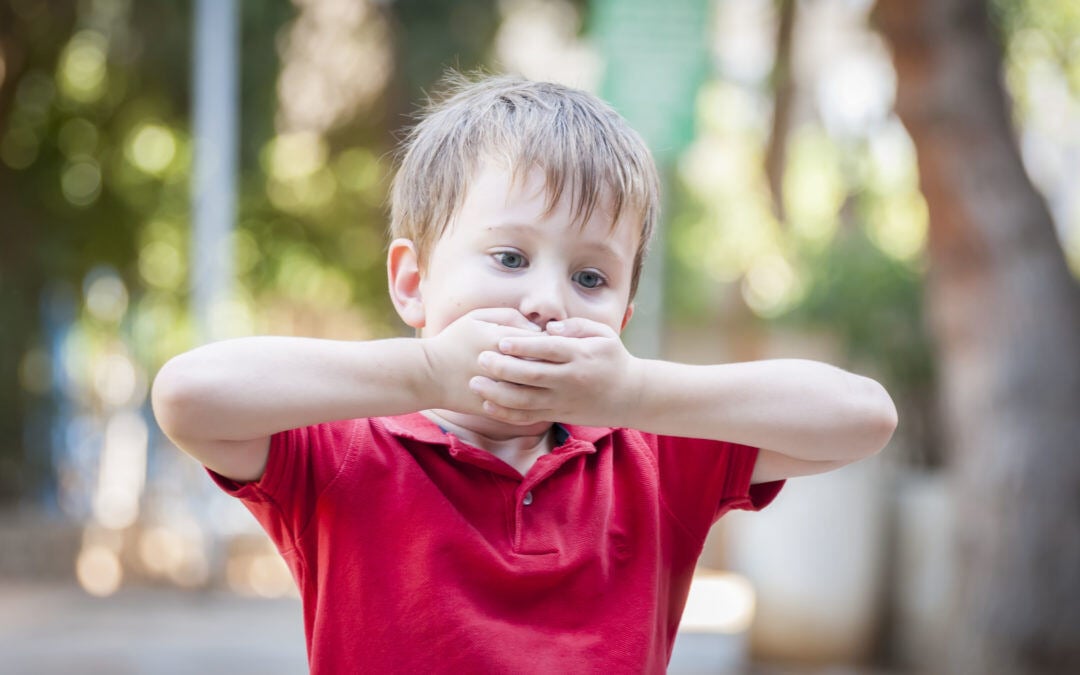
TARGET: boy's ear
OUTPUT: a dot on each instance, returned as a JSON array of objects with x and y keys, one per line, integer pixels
[
  {"x": 403, "y": 272},
  {"x": 626, "y": 316}
]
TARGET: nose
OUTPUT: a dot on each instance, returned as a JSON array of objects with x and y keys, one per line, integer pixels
[{"x": 543, "y": 302}]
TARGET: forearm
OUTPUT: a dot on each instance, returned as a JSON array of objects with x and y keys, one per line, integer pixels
[
  {"x": 254, "y": 387},
  {"x": 803, "y": 409}
]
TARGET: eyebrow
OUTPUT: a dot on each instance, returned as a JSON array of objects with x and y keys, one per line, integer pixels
[{"x": 513, "y": 226}]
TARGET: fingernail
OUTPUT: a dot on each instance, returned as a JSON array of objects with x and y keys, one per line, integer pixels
[
  {"x": 555, "y": 327},
  {"x": 485, "y": 358}
]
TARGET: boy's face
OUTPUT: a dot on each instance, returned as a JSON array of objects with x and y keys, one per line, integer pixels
[{"x": 501, "y": 250}]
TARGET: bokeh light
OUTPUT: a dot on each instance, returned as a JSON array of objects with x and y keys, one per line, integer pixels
[
  {"x": 337, "y": 57},
  {"x": 35, "y": 371},
  {"x": 82, "y": 73},
  {"x": 106, "y": 294},
  {"x": 98, "y": 570},
  {"x": 719, "y": 602},
  {"x": 151, "y": 147},
  {"x": 122, "y": 472},
  {"x": 81, "y": 182},
  {"x": 161, "y": 265}
]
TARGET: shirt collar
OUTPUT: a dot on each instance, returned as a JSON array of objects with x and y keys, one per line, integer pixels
[{"x": 420, "y": 428}]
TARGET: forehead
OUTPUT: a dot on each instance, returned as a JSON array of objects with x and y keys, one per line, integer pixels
[{"x": 497, "y": 196}]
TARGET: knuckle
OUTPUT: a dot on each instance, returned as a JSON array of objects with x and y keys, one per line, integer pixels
[{"x": 518, "y": 398}]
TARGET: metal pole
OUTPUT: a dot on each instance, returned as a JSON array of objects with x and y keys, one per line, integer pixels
[{"x": 213, "y": 191}]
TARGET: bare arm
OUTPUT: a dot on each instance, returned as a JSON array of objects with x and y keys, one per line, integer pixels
[
  {"x": 221, "y": 402},
  {"x": 807, "y": 417}
]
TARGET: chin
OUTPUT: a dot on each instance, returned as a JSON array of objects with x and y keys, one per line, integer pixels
[
  {"x": 491, "y": 427},
  {"x": 513, "y": 425}
]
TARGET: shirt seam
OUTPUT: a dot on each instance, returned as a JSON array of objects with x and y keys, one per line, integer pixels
[
  {"x": 652, "y": 457},
  {"x": 347, "y": 460},
  {"x": 268, "y": 498}
]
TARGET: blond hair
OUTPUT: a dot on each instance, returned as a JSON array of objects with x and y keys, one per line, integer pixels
[{"x": 582, "y": 145}]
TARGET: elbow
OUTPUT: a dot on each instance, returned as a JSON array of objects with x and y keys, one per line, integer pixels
[
  {"x": 174, "y": 398},
  {"x": 879, "y": 418}
]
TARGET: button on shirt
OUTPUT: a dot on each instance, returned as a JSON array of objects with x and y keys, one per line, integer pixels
[{"x": 415, "y": 552}]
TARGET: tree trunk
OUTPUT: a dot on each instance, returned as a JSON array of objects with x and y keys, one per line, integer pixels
[
  {"x": 1005, "y": 315},
  {"x": 23, "y": 467},
  {"x": 783, "y": 84}
]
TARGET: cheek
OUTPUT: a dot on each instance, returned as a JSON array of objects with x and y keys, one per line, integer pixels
[
  {"x": 454, "y": 297},
  {"x": 607, "y": 308}
]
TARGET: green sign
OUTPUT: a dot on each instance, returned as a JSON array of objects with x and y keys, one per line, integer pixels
[{"x": 656, "y": 56}]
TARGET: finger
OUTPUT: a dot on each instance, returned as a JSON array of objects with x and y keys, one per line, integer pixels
[
  {"x": 504, "y": 316},
  {"x": 509, "y": 395},
  {"x": 519, "y": 417},
  {"x": 526, "y": 371},
  {"x": 543, "y": 348},
  {"x": 578, "y": 327}
]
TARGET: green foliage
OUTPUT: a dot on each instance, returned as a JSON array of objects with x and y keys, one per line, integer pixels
[
  {"x": 1039, "y": 37},
  {"x": 873, "y": 303},
  {"x": 95, "y": 164}
]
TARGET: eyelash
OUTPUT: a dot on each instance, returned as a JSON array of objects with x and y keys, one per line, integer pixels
[{"x": 500, "y": 257}]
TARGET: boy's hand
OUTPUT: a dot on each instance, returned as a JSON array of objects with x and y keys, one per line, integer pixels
[
  {"x": 452, "y": 353},
  {"x": 578, "y": 372}
]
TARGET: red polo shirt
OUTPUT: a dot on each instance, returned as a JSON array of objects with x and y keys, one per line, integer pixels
[{"x": 415, "y": 552}]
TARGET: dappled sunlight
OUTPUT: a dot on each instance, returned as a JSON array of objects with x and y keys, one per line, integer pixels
[
  {"x": 80, "y": 182},
  {"x": 116, "y": 380},
  {"x": 848, "y": 161},
  {"x": 261, "y": 572},
  {"x": 35, "y": 371},
  {"x": 294, "y": 156},
  {"x": 899, "y": 225},
  {"x": 151, "y": 147},
  {"x": 719, "y": 602},
  {"x": 1042, "y": 69},
  {"x": 540, "y": 40},
  {"x": 98, "y": 570},
  {"x": 743, "y": 40},
  {"x": 122, "y": 472},
  {"x": 814, "y": 185},
  {"x": 99, "y": 264},
  {"x": 770, "y": 286},
  {"x": 106, "y": 295},
  {"x": 336, "y": 59},
  {"x": 161, "y": 265},
  {"x": 82, "y": 73}
]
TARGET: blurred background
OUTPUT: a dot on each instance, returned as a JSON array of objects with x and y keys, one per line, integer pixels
[{"x": 888, "y": 186}]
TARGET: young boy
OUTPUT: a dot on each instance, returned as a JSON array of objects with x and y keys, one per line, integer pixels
[{"x": 511, "y": 490}]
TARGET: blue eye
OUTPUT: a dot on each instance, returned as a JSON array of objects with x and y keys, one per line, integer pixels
[
  {"x": 589, "y": 279},
  {"x": 510, "y": 259}
]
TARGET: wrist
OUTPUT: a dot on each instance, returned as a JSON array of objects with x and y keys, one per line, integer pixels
[
  {"x": 428, "y": 385},
  {"x": 630, "y": 404}
]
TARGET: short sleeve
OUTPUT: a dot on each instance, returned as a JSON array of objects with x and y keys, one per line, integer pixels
[
  {"x": 300, "y": 465},
  {"x": 702, "y": 479}
]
